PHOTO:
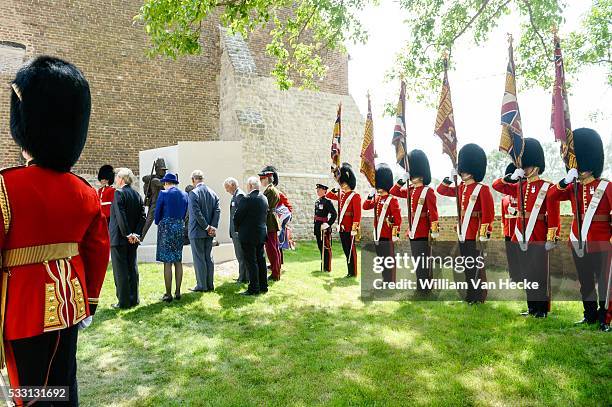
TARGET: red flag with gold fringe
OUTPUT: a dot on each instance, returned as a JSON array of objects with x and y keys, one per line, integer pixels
[{"x": 368, "y": 154}]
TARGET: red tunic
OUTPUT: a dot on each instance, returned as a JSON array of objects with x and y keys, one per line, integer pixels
[
  {"x": 352, "y": 215},
  {"x": 106, "y": 195},
  {"x": 55, "y": 249},
  {"x": 549, "y": 215},
  {"x": 508, "y": 214},
  {"x": 601, "y": 226},
  {"x": 484, "y": 210},
  {"x": 393, "y": 216},
  {"x": 285, "y": 201},
  {"x": 429, "y": 213}
]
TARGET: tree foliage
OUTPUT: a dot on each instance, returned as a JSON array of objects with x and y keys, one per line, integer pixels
[
  {"x": 300, "y": 31},
  {"x": 437, "y": 25}
]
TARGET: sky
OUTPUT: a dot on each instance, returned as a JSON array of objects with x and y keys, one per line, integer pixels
[{"x": 477, "y": 85}]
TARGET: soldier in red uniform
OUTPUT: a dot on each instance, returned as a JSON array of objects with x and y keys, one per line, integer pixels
[
  {"x": 106, "y": 193},
  {"x": 424, "y": 212},
  {"x": 595, "y": 207},
  {"x": 477, "y": 214},
  {"x": 387, "y": 217},
  {"x": 509, "y": 210},
  {"x": 540, "y": 213},
  {"x": 349, "y": 215},
  {"x": 54, "y": 251}
]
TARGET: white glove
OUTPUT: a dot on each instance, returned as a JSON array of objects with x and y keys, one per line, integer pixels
[
  {"x": 405, "y": 176},
  {"x": 518, "y": 173},
  {"x": 395, "y": 238},
  {"x": 85, "y": 323},
  {"x": 324, "y": 226},
  {"x": 373, "y": 191},
  {"x": 483, "y": 239},
  {"x": 435, "y": 235},
  {"x": 549, "y": 246},
  {"x": 572, "y": 174},
  {"x": 337, "y": 228},
  {"x": 353, "y": 233},
  {"x": 453, "y": 173}
]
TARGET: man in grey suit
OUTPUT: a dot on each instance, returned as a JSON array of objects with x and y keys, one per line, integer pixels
[
  {"x": 204, "y": 215},
  {"x": 231, "y": 187},
  {"x": 127, "y": 220}
]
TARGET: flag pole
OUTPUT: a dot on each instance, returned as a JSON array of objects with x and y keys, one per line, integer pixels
[
  {"x": 454, "y": 163},
  {"x": 517, "y": 161},
  {"x": 406, "y": 167}
]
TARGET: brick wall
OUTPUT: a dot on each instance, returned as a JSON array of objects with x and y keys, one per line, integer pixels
[{"x": 138, "y": 103}]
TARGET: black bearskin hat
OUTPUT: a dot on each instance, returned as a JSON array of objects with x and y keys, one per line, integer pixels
[
  {"x": 50, "y": 107},
  {"x": 533, "y": 155},
  {"x": 384, "y": 177},
  {"x": 589, "y": 151},
  {"x": 270, "y": 170},
  {"x": 347, "y": 176},
  {"x": 106, "y": 172},
  {"x": 419, "y": 166},
  {"x": 510, "y": 169},
  {"x": 472, "y": 160}
]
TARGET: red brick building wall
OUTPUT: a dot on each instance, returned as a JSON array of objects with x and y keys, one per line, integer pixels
[{"x": 138, "y": 103}]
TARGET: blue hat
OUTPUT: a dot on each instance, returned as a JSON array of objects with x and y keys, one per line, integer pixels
[{"x": 170, "y": 177}]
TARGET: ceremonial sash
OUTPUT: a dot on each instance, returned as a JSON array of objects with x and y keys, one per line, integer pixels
[
  {"x": 381, "y": 219},
  {"x": 417, "y": 212},
  {"x": 588, "y": 216},
  {"x": 533, "y": 217},
  {"x": 468, "y": 213},
  {"x": 344, "y": 206}
]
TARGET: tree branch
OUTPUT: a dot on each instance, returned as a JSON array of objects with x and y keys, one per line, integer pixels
[
  {"x": 535, "y": 29},
  {"x": 484, "y": 5}
]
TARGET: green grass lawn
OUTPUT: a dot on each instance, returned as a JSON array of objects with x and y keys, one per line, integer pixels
[{"x": 311, "y": 341}]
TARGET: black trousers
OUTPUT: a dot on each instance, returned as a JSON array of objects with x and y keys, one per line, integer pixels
[
  {"x": 48, "y": 360},
  {"x": 469, "y": 248},
  {"x": 593, "y": 269},
  {"x": 125, "y": 272},
  {"x": 348, "y": 246},
  {"x": 534, "y": 266},
  {"x": 385, "y": 248},
  {"x": 255, "y": 263},
  {"x": 421, "y": 247},
  {"x": 324, "y": 242},
  {"x": 512, "y": 255}
]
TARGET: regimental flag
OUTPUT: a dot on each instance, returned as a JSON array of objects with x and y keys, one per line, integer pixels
[
  {"x": 368, "y": 166},
  {"x": 560, "y": 116},
  {"x": 335, "y": 145},
  {"x": 512, "y": 132},
  {"x": 399, "y": 132},
  {"x": 445, "y": 120}
]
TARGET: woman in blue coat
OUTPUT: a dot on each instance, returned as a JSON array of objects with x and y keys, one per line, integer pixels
[{"x": 170, "y": 213}]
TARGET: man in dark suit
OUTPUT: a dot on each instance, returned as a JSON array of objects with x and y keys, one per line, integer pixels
[
  {"x": 127, "y": 220},
  {"x": 231, "y": 187},
  {"x": 204, "y": 213},
  {"x": 250, "y": 222}
]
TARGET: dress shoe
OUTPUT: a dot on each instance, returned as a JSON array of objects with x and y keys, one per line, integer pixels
[
  {"x": 585, "y": 321},
  {"x": 196, "y": 290},
  {"x": 248, "y": 293},
  {"x": 116, "y": 306},
  {"x": 177, "y": 296},
  {"x": 604, "y": 327},
  {"x": 263, "y": 291},
  {"x": 349, "y": 276},
  {"x": 527, "y": 313},
  {"x": 272, "y": 278},
  {"x": 166, "y": 298},
  {"x": 540, "y": 314}
]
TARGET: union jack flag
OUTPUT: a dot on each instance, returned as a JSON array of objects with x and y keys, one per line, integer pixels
[
  {"x": 511, "y": 141},
  {"x": 399, "y": 132},
  {"x": 335, "y": 146},
  {"x": 560, "y": 117}
]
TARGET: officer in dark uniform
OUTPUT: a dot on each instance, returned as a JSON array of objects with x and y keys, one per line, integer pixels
[{"x": 324, "y": 216}]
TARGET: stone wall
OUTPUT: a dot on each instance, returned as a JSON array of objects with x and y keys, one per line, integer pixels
[
  {"x": 291, "y": 129},
  {"x": 138, "y": 103}
]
